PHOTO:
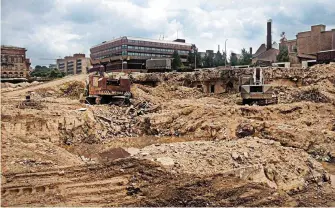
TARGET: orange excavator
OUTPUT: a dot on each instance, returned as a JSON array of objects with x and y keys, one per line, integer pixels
[{"x": 107, "y": 88}]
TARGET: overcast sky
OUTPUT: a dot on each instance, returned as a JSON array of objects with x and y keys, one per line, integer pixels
[{"x": 56, "y": 28}]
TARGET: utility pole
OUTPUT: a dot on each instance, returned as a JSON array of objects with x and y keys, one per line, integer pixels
[
  {"x": 195, "y": 58},
  {"x": 225, "y": 51}
]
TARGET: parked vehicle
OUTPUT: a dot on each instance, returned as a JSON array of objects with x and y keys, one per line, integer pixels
[{"x": 158, "y": 65}]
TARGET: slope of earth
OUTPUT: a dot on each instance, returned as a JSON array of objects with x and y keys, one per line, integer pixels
[{"x": 131, "y": 182}]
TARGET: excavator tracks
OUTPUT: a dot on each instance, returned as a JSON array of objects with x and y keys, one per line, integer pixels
[{"x": 70, "y": 186}]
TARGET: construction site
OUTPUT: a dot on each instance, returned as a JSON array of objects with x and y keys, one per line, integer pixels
[{"x": 202, "y": 138}]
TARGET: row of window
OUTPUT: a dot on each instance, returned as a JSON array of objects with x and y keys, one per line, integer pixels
[
  {"x": 124, "y": 53},
  {"x": 147, "y": 54},
  {"x": 155, "y": 43},
  {"x": 9, "y": 67},
  {"x": 93, "y": 50},
  {"x": 140, "y": 48},
  {"x": 156, "y": 49},
  {"x": 12, "y": 59},
  {"x": 12, "y": 75}
]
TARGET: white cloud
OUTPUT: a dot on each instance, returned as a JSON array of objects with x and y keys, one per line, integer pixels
[{"x": 63, "y": 27}]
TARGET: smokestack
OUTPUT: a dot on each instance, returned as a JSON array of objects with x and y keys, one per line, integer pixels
[
  {"x": 218, "y": 47},
  {"x": 333, "y": 38},
  {"x": 250, "y": 50},
  {"x": 268, "y": 35}
]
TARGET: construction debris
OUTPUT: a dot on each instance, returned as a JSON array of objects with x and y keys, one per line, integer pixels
[
  {"x": 177, "y": 144},
  {"x": 313, "y": 95}
]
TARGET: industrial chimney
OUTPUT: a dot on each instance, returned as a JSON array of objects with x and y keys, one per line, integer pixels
[
  {"x": 250, "y": 50},
  {"x": 268, "y": 35}
]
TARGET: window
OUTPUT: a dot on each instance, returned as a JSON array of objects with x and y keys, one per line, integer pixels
[{"x": 256, "y": 88}]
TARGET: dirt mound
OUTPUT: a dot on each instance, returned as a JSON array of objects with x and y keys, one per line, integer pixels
[
  {"x": 250, "y": 158},
  {"x": 32, "y": 104},
  {"x": 72, "y": 89},
  {"x": 62, "y": 153},
  {"x": 313, "y": 95}
]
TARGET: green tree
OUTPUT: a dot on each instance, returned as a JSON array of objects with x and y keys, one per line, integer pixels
[
  {"x": 56, "y": 74},
  {"x": 233, "y": 59},
  {"x": 218, "y": 59},
  {"x": 246, "y": 57},
  {"x": 191, "y": 59},
  {"x": 43, "y": 71},
  {"x": 209, "y": 59},
  {"x": 176, "y": 62},
  {"x": 283, "y": 54}
]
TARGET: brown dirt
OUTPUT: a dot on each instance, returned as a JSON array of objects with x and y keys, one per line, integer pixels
[{"x": 53, "y": 154}]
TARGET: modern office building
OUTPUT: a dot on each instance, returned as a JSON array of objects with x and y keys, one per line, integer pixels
[
  {"x": 14, "y": 63},
  {"x": 76, "y": 64},
  {"x": 133, "y": 52}
]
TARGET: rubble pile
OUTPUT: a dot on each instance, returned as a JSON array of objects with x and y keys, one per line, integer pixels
[
  {"x": 250, "y": 158},
  {"x": 72, "y": 89},
  {"x": 313, "y": 95},
  {"x": 123, "y": 121},
  {"x": 31, "y": 104}
]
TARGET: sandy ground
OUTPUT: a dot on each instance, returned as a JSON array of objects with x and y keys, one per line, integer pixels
[{"x": 175, "y": 146}]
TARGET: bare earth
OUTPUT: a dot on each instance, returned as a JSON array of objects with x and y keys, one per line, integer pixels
[{"x": 175, "y": 146}]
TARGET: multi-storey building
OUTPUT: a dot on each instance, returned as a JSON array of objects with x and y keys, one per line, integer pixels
[
  {"x": 309, "y": 43},
  {"x": 75, "y": 64},
  {"x": 133, "y": 52},
  {"x": 14, "y": 63}
]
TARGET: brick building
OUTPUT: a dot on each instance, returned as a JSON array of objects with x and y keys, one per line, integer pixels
[
  {"x": 309, "y": 43},
  {"x": 266, "y": 53},
  {"x": 135, "y": 51},
  {"x": 76, "y": 64},
  {"x": 14, "y": 63}
]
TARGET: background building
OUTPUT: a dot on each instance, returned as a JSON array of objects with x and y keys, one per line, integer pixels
[
  {"x": 52, "y": 66},
  {"x": 76, "y": 64},
  {"x": 266, "y": 53},
  {"x": 309, "y": 43},
  {"x": 14, "y": 63},
  {"x": 135, "y": 51}
]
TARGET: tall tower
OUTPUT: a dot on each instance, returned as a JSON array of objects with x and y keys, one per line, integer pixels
[{"x": 268, "y": 35}]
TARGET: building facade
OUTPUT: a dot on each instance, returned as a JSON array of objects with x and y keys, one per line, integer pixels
[
  {"x": 133, "y": 52},
  {"x": 14, "y": 63},
  {"x": 76, "y": 64},
  {"x": 308, "y": 44}
]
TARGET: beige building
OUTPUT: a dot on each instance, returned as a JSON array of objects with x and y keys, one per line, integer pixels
[
  {"x": 14, "y": 63},
  {"x": 76, "y": 64}
]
